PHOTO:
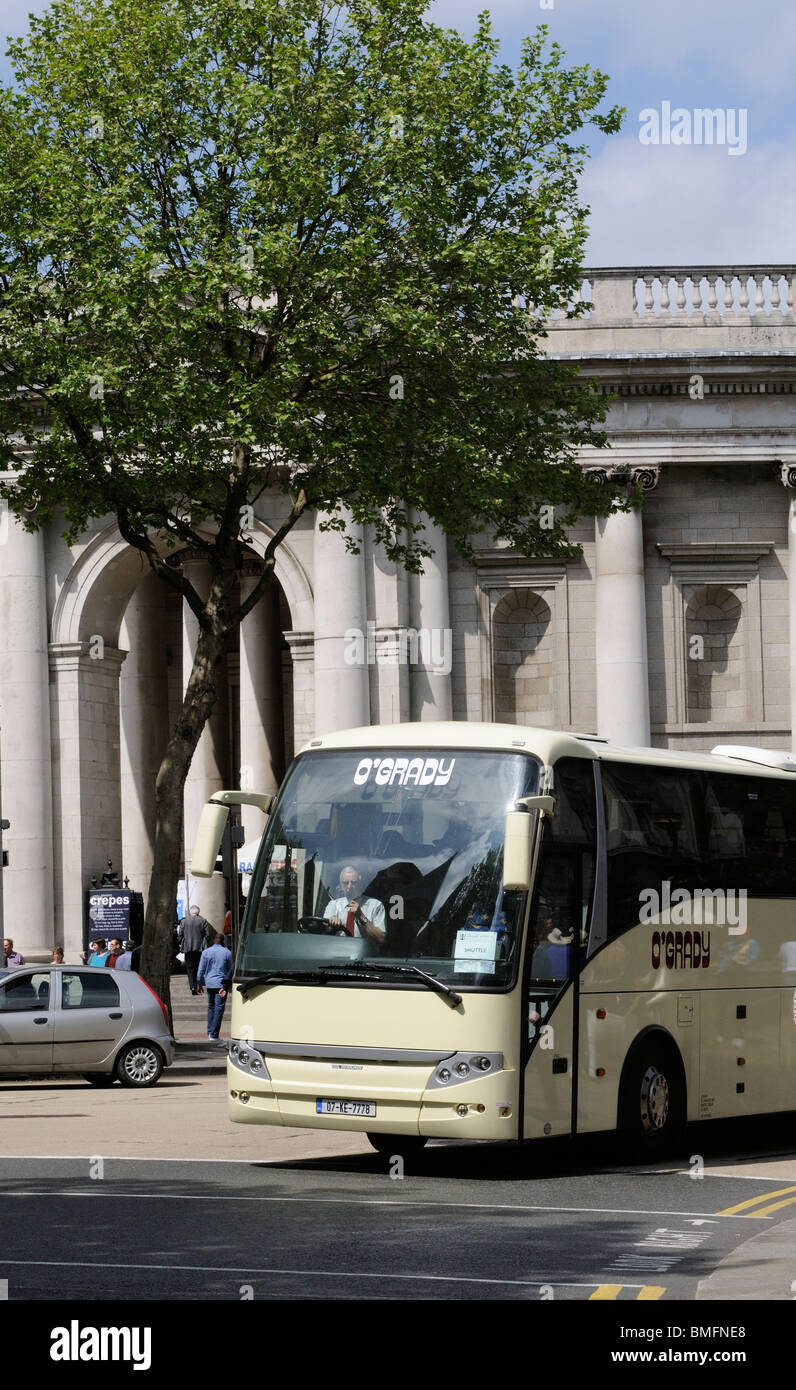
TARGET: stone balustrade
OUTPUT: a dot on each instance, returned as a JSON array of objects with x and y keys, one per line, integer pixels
[
  {"x": 711, "y": 303},
  {"x": 712, "y": 293}
]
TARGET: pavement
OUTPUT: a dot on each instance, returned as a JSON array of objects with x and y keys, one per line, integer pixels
[
  {"x": 195, "y": 1055},
  {"x": 762, "y": 1269}
]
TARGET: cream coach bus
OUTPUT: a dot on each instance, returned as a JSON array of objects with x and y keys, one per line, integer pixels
[{"x": 483, "y": 931}]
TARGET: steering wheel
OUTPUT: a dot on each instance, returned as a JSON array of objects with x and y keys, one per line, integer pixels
[{"x": 319, "y": 926}]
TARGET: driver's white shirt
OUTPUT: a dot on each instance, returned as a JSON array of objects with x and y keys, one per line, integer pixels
[{"x": 371, "y": 907}]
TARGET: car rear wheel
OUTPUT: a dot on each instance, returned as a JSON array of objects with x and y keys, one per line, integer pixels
[
  {"x": 100, "y": 1078},
  {"x": 139, "y": 1064}
]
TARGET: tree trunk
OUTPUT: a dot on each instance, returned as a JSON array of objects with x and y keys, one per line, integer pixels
[{"x": 198, "y": 702}]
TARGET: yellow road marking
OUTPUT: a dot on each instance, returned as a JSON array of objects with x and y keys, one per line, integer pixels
[
  {"x": 775, "y": 1206},
  {"x": 606, "y": 1291},
  {"x": 754, "y": 1201},
  {"x": 650, "y": 1291}
]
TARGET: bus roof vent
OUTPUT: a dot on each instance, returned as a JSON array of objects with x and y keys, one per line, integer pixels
[{"x": 767, "y": 757}]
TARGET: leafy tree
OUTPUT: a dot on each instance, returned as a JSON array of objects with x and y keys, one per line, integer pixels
[{"x": 288, "y": 245}]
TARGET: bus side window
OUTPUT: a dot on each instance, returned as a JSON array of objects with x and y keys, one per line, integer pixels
[{"x": 654, "y": 834}]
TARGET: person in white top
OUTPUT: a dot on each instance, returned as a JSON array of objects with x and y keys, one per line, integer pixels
[{"x": 355, "y": 915}]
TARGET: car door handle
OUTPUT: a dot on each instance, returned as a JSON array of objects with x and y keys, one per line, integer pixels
[
  {"x": 41, "y": 1020},
  {"x": 119, "y": 1015}
]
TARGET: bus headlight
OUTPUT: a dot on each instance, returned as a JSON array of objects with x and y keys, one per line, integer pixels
[
  {"x": 246, "y": 1058},
  {"x": 460, "y": 1066}
]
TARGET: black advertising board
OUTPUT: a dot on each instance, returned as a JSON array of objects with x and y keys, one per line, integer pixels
[{"x": 108, "y": 913}]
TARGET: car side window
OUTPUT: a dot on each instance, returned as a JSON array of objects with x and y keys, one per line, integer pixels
[
  {"x": 25, "y": 993},
  {"x": 88, "y": 989}
]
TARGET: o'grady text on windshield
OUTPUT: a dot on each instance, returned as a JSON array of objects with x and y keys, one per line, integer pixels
[{"x": 407, "y": 772}]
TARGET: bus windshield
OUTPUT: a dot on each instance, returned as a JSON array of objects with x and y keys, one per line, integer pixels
[{"x": 393, "y": 858}]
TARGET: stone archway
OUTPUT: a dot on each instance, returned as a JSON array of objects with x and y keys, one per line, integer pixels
[{"x": 105, "y": 594}]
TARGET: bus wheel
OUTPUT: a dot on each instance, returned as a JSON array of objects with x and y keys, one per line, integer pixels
[
  {"x": 652, "y": 1109},
  {"x": 397, "y": 1145}
]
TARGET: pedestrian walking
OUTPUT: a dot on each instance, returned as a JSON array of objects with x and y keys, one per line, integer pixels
[
  {"x": 194, "y": 934},
  {"x": 215, "y": 972},
  {"x": 12, "y": 957}
]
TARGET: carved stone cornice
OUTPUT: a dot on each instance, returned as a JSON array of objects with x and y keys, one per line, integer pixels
[
  {"x": 301, "y": 645},
  {"x": 688, "y": 552}
]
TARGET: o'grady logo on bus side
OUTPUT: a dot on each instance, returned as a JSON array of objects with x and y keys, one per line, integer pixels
[
  {"x": 713, "y": 907},
  {"x": 407, "y": 772}
]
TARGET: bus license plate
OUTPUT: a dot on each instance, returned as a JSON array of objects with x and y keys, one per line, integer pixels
[{"x": 365, "y": 1108}]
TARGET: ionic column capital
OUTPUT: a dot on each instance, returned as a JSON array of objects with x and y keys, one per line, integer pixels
[{"x": 646, "y": 476}]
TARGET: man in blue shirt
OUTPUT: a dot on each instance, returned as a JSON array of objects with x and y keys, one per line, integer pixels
[{"x": 215, "y": 973}]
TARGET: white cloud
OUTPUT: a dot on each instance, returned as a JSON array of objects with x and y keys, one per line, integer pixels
[
  {"x": 653, "y": 205},
  {"x": 741, "y": 44}
]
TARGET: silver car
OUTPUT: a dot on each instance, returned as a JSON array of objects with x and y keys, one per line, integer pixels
[{"x": 106, "y": 1024}]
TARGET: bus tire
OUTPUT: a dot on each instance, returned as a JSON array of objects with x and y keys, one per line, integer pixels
[
  {"x": 652, "y": 1099},
  {"x": 397, "y": 1145}
]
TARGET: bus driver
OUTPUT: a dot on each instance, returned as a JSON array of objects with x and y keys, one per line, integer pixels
[{"x": 356, "y": 916}]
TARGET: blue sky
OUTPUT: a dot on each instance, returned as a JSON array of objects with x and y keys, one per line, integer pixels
[{"x": 657, "y": 204}]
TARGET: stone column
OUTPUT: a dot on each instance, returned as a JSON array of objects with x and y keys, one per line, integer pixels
[
  {"x": 341, "y": 661},
  {"x": 788, "y": 476},
  {"x": 25, "y": 763},
  {"x": 388, "y": 600},
  {"x": 261, "y": 735},
  {"x": 621, "y": 622},
  {"x": 430, "y": 629},
  {"x": 87, "y": 809},
  {"x": 144, "y": 724},
  {"x": 205, "y": 775},
  {"x": 300, "y": 694}
]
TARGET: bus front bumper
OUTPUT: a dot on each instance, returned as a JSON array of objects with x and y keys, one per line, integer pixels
[{"x": 407, "y": 1099}]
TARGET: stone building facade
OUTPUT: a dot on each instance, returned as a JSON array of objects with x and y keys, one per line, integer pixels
[{"x": 676, "y": 625}]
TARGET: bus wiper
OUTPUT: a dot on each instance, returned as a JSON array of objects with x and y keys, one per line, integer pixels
[
  {"x": 273, "y": 977},
  {"x": 431, "y": 980}
]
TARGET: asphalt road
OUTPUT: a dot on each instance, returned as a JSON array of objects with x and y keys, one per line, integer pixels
[{"x": 327, "y": 1219}]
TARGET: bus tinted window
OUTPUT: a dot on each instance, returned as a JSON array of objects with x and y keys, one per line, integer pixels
[
  {"x": 695, "y": 830},
  {"x": 751, "y": 834},
  {"x": 654, "y": 834},
  {"x": 566, "y": 874}
]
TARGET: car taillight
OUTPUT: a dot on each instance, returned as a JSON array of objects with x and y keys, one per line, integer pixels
[{"x": 163, "y": 1008}]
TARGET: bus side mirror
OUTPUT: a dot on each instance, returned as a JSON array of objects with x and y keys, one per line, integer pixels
[
  {"x": 212, "y": 824},
  {"x": 518, "y": 850},
  {"x": 207, "y": 844}
]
